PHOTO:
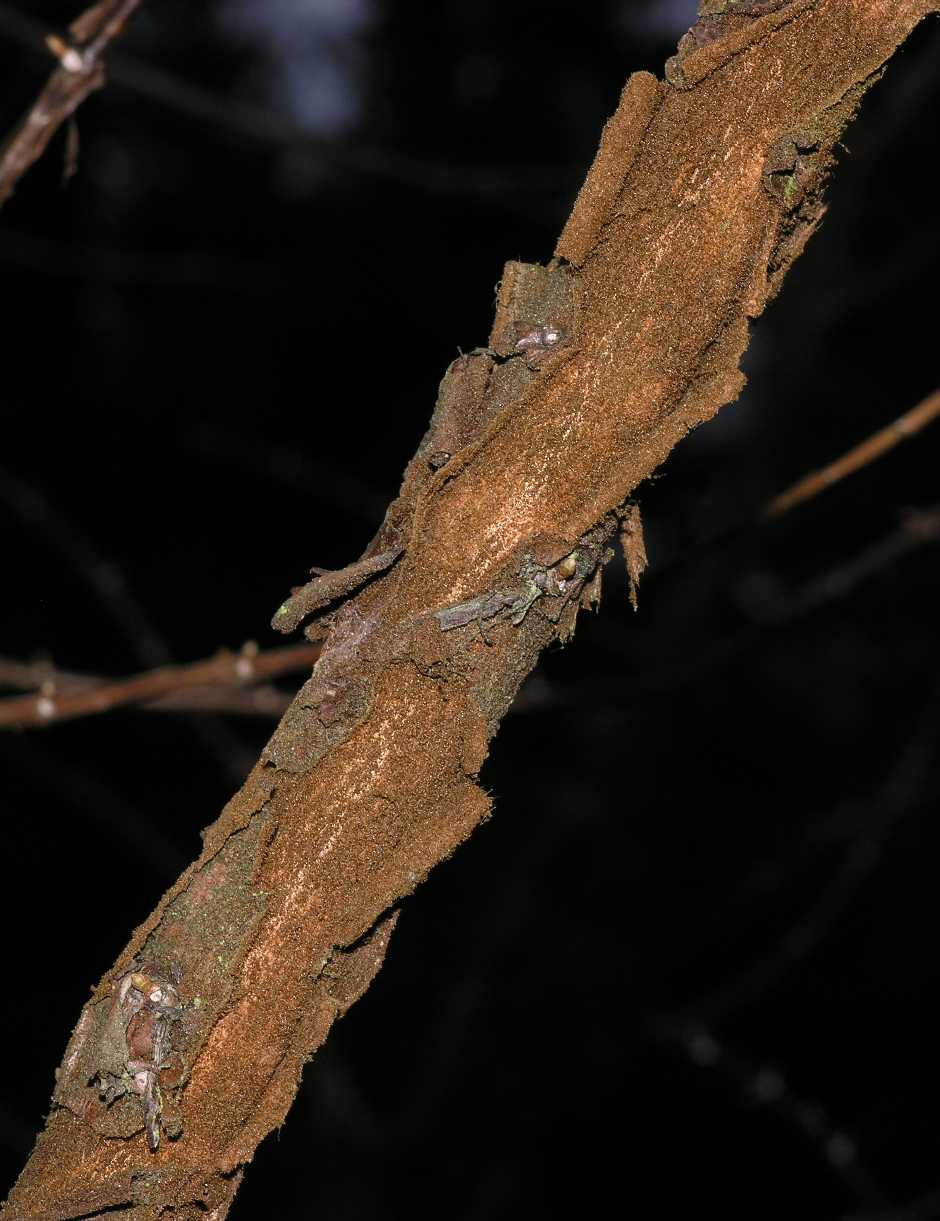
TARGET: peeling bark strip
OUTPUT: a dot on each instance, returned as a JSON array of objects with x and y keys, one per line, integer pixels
[
  {"x": 682, "y": 232},
  {"x": 327, "y": 587},
  {"x": 633, "y": 545}
]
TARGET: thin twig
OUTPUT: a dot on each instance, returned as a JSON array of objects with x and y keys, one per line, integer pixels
[
  {"x": 107, "y": 581},
  {"x": 103, "y": 577},
  {"x": 257, "y": 126},
  {"x": 64, "y": 697},
  {"x": 916, "y": 528},
  {"x": 905, "y": 426},
  {"x": 80, "y": 72},
  {"x": 76, "y": 787},
  {"x": 262, "y": 700},
  {"x": 765, "y": 1086},
  {"x": 895, "y": 799}
]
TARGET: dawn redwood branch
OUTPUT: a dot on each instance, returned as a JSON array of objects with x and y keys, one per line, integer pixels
[
  {"x": 705, "y": 187},
  {"x": 80, "y": 72},
  {"x": 63, "y": 697}
]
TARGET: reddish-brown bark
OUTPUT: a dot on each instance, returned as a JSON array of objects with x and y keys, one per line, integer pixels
[{"x": 706, "y": 186}]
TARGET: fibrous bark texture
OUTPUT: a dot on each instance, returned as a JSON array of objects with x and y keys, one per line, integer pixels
[{"x": 705, "y": 187}]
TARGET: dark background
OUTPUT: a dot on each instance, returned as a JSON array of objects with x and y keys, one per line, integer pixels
[{"x": 688, "y": 963}]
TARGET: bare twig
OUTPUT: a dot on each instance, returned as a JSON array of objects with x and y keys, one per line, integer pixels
[
  {"x": 764, "y": 1086},
  {"x": 895, "y": 799},
  {"x": 77, "y": 786},
  {"x": 264, "y": 699},
  {"x": 879, "y": 443},
  {"x": 779, "y": 607},
  {"x": 108, "y": 582},
  {"x": 80, "y": 72},
  {"x": 62, "y": 697},
  {"x": 258, "y": 127},
  {"x": 917, "y": 528},
  {"x": 810, "y": 486},
  {"x": 103, "y": 577}
]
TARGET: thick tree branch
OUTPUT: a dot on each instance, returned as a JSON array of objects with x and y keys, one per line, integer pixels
[
  {"x": 218, "y": 683},
  {"x": 705, "y": 188}
]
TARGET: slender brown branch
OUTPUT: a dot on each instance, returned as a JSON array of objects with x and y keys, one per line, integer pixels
[
  {"x": 917, "y": 528},
  {"x": 80, "y": 72},
  {"x": 873, "y": 447},
  {"x": 259, "y": 127},
  {"x": 109, "y": 584},
  {"x": 62, "y": 696}
]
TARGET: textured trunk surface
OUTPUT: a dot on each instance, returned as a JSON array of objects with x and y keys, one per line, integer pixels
[{"x": 704, "y": 189}]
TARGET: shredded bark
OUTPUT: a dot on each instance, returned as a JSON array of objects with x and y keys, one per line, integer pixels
[
  {"x": 705, "y": 188},
  {"x": 633, "y": 543}
]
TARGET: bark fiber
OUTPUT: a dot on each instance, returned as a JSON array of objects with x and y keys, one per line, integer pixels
[{"x": 705, "y": 187}]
